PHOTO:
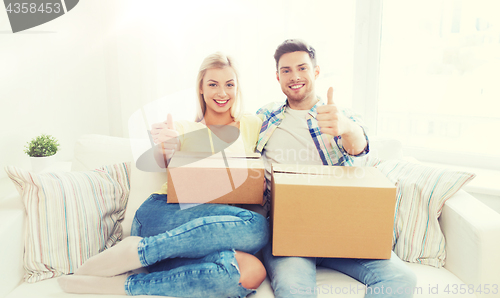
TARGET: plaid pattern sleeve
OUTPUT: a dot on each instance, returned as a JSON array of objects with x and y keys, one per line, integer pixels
[{"x": 331, "y": 149}]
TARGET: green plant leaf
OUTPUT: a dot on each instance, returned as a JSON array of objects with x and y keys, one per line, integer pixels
[{"x": 43, "y": 145}]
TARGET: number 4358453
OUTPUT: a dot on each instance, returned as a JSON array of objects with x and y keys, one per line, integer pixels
[
  {"x": 471, "y": 289},
  {"x": 34, "y": 8}
]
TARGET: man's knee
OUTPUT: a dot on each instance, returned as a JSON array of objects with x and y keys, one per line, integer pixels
[
  {"x": 401, "y": 282},
  {"x": 252, "y": 271},
  {"x": 407, "y": 280}
]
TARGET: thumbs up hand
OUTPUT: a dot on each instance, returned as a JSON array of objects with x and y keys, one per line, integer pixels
[
  {"x": 330, "y": 120},
  {"x": 165, "y": 134}
]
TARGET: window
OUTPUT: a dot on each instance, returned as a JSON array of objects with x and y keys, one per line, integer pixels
[{"x": 439, "y": 79}]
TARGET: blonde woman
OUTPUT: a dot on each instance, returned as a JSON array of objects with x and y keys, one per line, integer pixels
[{"x": 202, "y": 251}]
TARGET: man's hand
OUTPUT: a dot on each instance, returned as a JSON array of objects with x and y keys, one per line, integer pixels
[
  {"x": 330, "y": 120},
  {"x": 165, "y": 134}
]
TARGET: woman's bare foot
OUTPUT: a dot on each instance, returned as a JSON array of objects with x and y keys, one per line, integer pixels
[
  {"x": 82, "y": 284},
  {"x": 121, "y": 258}
]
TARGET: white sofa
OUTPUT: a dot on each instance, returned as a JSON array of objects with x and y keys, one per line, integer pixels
[{"x": 472, "y": 232}]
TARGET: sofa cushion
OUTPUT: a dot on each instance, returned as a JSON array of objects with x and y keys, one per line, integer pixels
[
  {"x": 421, "y": 194},
  {"x": 71, "y": 216},
  {"x": 92, "y": 151}
]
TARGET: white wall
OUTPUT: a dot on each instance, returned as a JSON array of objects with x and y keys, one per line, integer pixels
[{"x": 52, "y": 80}]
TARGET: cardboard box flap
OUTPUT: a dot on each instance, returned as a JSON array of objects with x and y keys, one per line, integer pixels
[
  {"x": 199, "y": 155},
  {"x": 208, "y": 160},
  {"x": 330, "y": 176}
]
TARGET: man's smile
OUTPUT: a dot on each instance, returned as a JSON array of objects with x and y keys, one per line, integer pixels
[{"x": 296, "y": 86}]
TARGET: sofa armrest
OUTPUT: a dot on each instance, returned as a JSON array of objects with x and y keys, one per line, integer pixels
[
  {"x": 472, "y": 232},
  {"x": 12, "y": 217}
]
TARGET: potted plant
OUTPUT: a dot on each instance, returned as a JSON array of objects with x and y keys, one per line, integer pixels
[{"x": 42, "y": 150}]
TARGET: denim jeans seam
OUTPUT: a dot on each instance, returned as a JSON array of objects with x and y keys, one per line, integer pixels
[
  {"x": 141, "y": 251},
  {"x": 137, "y": 219},
  {"x": 127, "y": 285}
]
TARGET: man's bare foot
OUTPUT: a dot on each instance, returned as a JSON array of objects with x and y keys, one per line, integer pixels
[
  {"x": 83, "y": 284},
  {"x": 121, "y": 258}
]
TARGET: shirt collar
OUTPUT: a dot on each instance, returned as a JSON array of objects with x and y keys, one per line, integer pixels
[{"x": 312, "y": 112}]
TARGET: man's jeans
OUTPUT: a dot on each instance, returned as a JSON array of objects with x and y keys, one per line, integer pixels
[
  {"x": 296, "y": 276},
  {"x": 190, "y": 252}
]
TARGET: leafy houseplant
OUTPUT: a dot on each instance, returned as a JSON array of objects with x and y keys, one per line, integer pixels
[
  {"x": 42, "y": 150},
  {"x": 41, "y": 146}
]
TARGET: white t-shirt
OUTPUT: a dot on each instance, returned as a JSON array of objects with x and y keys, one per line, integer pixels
[{"x": 291, "y": 143}]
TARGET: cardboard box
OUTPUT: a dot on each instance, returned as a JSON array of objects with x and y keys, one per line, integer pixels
[
  {"x": 325, "y": 211},
  {"x": 220, "y": 178}
]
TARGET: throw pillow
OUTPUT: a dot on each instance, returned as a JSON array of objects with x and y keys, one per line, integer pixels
[
  {"x": 70, "y": 216},
  {"x": 421, "y": 194}
]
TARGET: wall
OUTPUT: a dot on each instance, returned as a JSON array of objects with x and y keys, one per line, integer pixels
[{"x": 53, "y": 81}]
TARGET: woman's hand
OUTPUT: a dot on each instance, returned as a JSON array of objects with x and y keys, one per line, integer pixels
[{"x": 164, "y": 133}]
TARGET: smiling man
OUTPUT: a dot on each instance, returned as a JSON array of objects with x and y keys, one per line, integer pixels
[{"x": 304, "y": 130}]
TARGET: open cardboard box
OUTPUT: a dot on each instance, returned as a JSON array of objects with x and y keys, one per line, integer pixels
[
  {"x": 325, "y": 211},
  {"x": 197, "y": 177}
]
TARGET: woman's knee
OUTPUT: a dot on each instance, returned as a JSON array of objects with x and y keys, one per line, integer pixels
[
  {"x": 257, "y": 229},
  {"x": 263, "y": 227},
  {"x": 252, "y": 271}
]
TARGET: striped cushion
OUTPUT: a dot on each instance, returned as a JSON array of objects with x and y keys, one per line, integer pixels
[
  {"x": 421, "y": 194},
  {"x": 71, "y": 216}
]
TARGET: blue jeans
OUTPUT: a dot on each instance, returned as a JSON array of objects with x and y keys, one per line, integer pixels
[
  {"x": 296, "y": 276},
  {"x": 191, "y": 252}
]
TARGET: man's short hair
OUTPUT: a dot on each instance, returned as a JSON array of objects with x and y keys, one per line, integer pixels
[{"x": 294, "y": 45}]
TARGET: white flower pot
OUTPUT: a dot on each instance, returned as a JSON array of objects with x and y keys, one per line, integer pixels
[{"x": 40, "y": 163}]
